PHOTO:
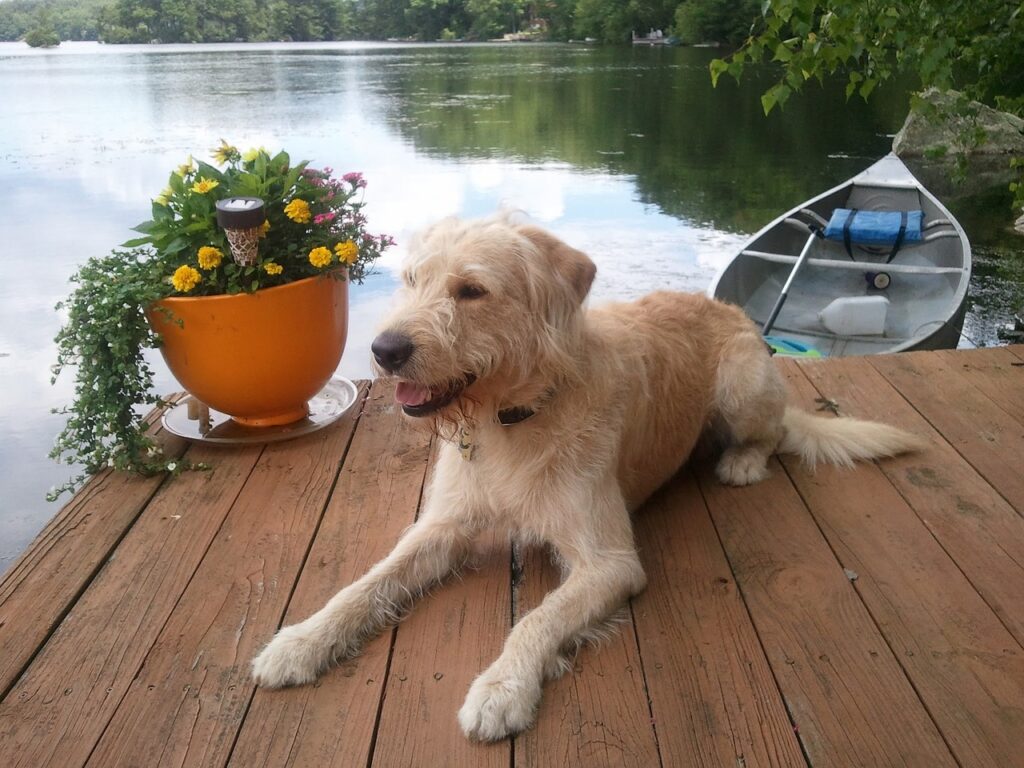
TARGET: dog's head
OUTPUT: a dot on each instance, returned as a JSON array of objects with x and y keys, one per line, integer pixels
[{"x": 489, "y": 315}]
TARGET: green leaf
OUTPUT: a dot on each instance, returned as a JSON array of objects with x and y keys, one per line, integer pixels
[
  {"x": 145, "y": 227},
  {"x": 777, "y": 95},
  {"x": 717, "y": 67},
  {"x": 136, "y": 242}
]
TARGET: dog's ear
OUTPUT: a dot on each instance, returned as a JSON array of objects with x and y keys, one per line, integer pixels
[{"x": 575, "y": 267}]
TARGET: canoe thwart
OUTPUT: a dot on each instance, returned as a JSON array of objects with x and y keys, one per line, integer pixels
[{"x": 904, "y": 269}]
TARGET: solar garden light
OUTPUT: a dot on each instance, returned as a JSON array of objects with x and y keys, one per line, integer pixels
[{"x": 241, "y": 218}]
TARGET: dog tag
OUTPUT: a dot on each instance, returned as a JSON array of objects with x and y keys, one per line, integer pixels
[{"x": 466, "y": 446}]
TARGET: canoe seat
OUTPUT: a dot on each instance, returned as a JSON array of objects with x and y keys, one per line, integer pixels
[
  {"x": 880, "y": 228},
  {"x": 872, "y": 230}
]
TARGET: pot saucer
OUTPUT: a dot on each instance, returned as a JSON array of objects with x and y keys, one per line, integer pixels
[{"x": 217, "y": 428}]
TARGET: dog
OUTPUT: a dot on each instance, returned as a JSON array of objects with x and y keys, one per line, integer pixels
[{"x": 558, "y": 422}]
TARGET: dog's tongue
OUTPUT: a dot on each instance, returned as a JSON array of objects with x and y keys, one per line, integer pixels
[{"x": 407, "y": 393}]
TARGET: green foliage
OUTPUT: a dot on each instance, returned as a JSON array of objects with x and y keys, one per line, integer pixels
[
  {"x": 715, "y": 21},
  {"x": 43, "y": 37},
  {"x": 182, "y": 251},
  {"x": 103, "y": 338},
  {"x": 193, "y": 21},
  {"x": 973, "y": 46},
  {"x": 614, "y": 21},
  {"x": 70, "y": 19}
]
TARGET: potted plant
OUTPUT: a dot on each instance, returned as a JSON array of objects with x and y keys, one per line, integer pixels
[{"x": 240, "y": 278}]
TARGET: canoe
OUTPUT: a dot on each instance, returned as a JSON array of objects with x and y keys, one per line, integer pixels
[{"x": 859, "y": 297}]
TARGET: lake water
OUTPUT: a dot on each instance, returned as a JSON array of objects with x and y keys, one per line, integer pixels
[{"x": 627, "y": 154}]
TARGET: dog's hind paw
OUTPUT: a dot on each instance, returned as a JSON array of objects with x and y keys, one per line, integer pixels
[
  {"x": 497, "y": 706},
  {"x": 742, "y": 466},
  {"x": 293, "y": 657}
]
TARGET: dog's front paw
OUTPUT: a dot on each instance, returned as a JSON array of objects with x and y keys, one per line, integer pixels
[
  {"x": 295, "y": 656},
  {"x": 498, "y": 706}
]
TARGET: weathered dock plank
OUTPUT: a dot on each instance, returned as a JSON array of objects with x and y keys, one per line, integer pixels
[
  {"x": 187, "y": 703},
  {"x": 996, "y": 372},
  {"x": 59, "y": 708},
  {"x": 713, "y": 696},
  {"x": 451, "y": 636},
  {"x": 66, "y": 556},
  {"x": 911, "y": 587},
  {"x": 972, "y": 522},
  {"x": 750, "y": 647},
  {"x": 849, "y": 700},
  {"x": 333, "y": 722},
  {"x": 978, "y": 427},
  {"x": 598, "y": 713}
]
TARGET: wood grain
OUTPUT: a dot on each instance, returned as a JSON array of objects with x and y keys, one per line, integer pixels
[
  {"x": 996, "y": 372},
  {"x": 187, "y": 704},
  {"x": 963, "y": 663},
  {"x": 60, "y": 706},
  {"x": 979, "y": 428},
  {"x": 714, "y": 699},
  {"x": 597, "y": 714},
  {"x": 451, "y": 636},
  {"x": 137, "y": 652},
  {"x": 976, "y": 526},
  {"x": 333, "y": 721},
  {"x": 847, "y": 696},
  {"x": 66, "y": 555}
]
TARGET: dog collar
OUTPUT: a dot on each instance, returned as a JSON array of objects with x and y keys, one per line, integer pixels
[
  {"x": 511, "y": 416},
  {"x": 506, "y": 417}
]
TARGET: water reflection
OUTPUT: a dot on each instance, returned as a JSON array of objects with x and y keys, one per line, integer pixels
[{"x": 628, "y": 154}]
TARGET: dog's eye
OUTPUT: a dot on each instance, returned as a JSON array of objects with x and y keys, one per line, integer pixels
[{"x": 470, "y": 291}]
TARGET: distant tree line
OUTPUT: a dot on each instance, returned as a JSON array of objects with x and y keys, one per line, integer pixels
[{"x": 193, "y": 21}]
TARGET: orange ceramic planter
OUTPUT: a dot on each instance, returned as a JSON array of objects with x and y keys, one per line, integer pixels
[{"x": 258, "y": 357}]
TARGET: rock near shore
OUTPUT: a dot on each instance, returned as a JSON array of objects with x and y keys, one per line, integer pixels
[{"x": 947, "y": 121}]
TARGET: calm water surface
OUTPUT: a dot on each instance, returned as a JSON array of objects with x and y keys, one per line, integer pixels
[{"x": 627, "y": 154}]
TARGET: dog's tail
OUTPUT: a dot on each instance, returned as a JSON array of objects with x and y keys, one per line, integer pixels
[{"x": 842, "y": 441}]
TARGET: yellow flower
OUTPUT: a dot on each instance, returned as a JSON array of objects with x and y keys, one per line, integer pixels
[
  {"x": 210, "y": 257},
  {"x": 272, "y": 268},
  {"x": 252, "y": 154},
  {"x": 298, "y": 211},
  {"x": 265, "y": 228},
  {"x": 204, "y": 185},
  {"x": 184, "y": 169},
  {"x": 347, "y": 251},
  {"x": 225, "y": 152},
  {"x": 320, "y": 257},
  {"x": 164, "y": 197},
  {"x": 186, "y": 278}
]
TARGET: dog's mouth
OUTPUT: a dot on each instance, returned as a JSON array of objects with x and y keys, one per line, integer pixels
[{"x": 420, "y": 400}]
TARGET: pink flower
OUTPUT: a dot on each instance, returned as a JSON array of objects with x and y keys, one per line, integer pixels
[
  {"x": 320, "y": 218},
  {"x": 355, "y": 179}
]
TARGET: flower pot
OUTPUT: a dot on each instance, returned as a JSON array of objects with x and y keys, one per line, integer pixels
[{"x": 258, "y": 357}]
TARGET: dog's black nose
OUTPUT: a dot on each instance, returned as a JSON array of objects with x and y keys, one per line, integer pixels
[{"x": 392, "y": 350}]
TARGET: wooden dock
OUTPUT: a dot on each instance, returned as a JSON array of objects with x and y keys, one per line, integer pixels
[{"x": 866, "y": 617}]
